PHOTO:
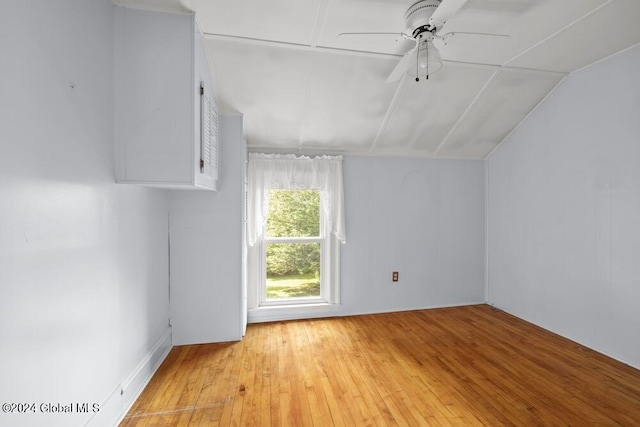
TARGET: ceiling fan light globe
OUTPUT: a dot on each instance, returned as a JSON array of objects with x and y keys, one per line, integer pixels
[{"x": 427, "y": 61}]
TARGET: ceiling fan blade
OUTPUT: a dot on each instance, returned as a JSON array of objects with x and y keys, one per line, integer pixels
[
  {"x": 403, "y": 66},
  {"x": 445, "y": 11},
  {"x": 372, "y": 36},
  {"x": 448, "y": 36}
]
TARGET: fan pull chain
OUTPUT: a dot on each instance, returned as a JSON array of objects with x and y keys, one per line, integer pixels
[
  {"x": 418, "y": 60},
  {"x": 427, "y": 60}
]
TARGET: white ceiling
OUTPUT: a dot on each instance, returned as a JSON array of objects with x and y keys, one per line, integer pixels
[{"x": 302, "y": 89}]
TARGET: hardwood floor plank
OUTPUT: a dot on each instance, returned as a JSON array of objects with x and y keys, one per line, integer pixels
[
  {"x": 455, "y": 366},
  {"x": 263, "y": 371}
]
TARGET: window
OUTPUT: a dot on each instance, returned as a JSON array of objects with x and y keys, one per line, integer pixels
[
  {"x": 295, "y": 224},
  {"x": 293, "y": 248}
]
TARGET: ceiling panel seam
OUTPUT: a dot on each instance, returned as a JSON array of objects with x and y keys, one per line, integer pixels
[
  {"x": 387, "y": 116},
  {"x": 253, "y": 40},
  {"x": 468, "y": 110},
  {"x": 321, "y": 17},
  {"x": 477, "y": 65},
  {"x": 297, "y": 46},
  {"x": 524, "y": 52}
]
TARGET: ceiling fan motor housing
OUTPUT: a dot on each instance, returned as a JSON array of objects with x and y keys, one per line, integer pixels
[{"x": 417, "y": 16}]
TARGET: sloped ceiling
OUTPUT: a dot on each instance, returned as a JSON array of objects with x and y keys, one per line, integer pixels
[{"x": 303, "y": 89}]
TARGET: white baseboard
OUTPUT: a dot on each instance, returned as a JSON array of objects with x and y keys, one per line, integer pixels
[
  {"x": 310, "y": 311},
  {"x": 115, "y": 407}
]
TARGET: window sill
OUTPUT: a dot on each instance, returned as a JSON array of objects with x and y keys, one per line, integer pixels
[{"x": 292, "y": 312}]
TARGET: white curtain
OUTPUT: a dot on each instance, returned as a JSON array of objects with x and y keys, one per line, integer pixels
[{"x": 291, "y": 172}]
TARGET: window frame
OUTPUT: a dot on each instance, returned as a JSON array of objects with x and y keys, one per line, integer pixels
[{"x": 327, "y": 291}]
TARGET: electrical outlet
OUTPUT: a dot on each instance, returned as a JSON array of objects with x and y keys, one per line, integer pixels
[{"x": 394, "y": 276}]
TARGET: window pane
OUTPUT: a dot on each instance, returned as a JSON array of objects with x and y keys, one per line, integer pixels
[
  {"x": 293, "y": 270},
  {"x": 294, "y": 213}
]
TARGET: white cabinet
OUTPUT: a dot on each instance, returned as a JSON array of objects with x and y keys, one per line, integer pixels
[{"x": 165, "y": 112}]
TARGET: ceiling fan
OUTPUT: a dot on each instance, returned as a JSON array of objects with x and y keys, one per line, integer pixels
[{"x": 424, "y": 19}]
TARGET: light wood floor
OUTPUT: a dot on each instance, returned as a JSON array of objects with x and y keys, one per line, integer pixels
[{"x": 453, "y": 366}]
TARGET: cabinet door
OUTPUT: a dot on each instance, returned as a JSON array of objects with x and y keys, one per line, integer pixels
[{"x": 154, "y": 90}]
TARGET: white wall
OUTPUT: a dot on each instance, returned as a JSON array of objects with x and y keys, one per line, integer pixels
[
  {"x": 564, "y": 211},
  {"x": 206, "y": 249},
  {"x": 423, "y": 218},
  {"x": 83, "y": 261}
]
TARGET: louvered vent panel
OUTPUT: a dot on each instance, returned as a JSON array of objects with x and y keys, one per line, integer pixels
[
  {"x": 213, "y": 148},
  {"x": 206, "y": 130},
  {"x": 208, "y": 135}
]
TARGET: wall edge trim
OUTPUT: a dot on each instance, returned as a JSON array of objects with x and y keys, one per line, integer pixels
[{"x": 114, "y": 408}]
